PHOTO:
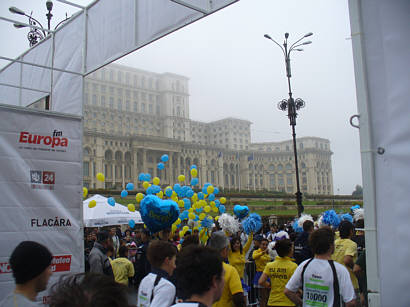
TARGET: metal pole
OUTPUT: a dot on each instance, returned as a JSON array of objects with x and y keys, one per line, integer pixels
[{"x": 298, "y": 193}]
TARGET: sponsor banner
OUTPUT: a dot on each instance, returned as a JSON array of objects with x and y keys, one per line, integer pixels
[{"x": 41, "y": 188}]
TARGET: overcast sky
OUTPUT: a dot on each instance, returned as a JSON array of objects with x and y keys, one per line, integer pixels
[{"x": 235, "y": 72}]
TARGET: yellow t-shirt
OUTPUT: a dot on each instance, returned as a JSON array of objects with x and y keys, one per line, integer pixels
[
  {"x": 232, "y": 286},
  {"x": 279, "y": 272},
  {"x": 122, "y": 269},
  {"x": 237, "y": 259},
  {"x": 346, "y": 247},
  {"x": 261, "y": 259}
]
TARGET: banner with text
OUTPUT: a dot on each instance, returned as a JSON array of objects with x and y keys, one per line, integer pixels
[{"x": 41, "y": 189}]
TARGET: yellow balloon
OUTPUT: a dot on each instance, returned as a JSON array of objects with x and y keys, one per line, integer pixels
[
  {"x": 174, "y": 194},
  {"x": 155, "y": 181},
  {"x": 191, "y": 209},
  {"x": 194, "y": 197},
  {"x": 202, "y": 203},
  {"x": 174, "y": 198},
  {"x": 178, "y": 221},
  {"x": 131, "y": 207},
  {"x": 207, "y": 209},
  {"x": 210, "y": 189},
  {"x": 100, "y": 177},
  {"x": 181, "y": 178},
  {"x": 185, "y": 228},
  {"x": 215, "y": 209},
  {"x": 181, "y": 234},
  {"x": 216, "y": 217},
  {"x": 160, "y": 194},
  {"x": 223, "y": 200},
  {"x": 145, "y": 184},
  {"x": 194, "y": 172},
  {"x": 191, "y": 215},
  {"x": 139, "y": 197},
  {"x": 210, "y": 217},
  {"x": 92, "y": 204},
  {"x": 212, "y": 203},
  {"x": 173, "y": 227},
  {"x": 181, "y": 203},
  {"x": 202, "y": 216},
  {"x": 85, "y": 192}
]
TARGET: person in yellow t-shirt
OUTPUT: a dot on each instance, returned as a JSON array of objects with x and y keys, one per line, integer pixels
[
  {"x": 237, "y": 253},
  {"x": 346, "y": 251},
  {"x": 279, "y": 272},
  {"x": 261, "y": 257},
  {"x": 232, "y": 294},
  {"x": 122, "y": 267}
]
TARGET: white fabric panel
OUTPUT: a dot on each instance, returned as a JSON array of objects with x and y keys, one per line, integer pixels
[
  {"x": 10, "y": 75},
  {"x": 41, "y": 188},
  {"x": 111, "y": 31},
  {"x": 386, "y": 48},
  {"x": 67, "y": 88}
]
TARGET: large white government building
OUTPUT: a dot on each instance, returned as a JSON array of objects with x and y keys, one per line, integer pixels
[{"x": 132, "y": 117}]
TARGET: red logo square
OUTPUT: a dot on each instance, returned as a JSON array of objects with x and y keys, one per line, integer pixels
[{"x": 49, "y": 177}]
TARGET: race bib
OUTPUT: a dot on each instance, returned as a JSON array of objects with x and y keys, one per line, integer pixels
[{"x": 316, "y": 295}]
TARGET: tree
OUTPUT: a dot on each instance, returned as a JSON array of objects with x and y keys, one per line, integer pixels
[{"x": 358, "y": 191}]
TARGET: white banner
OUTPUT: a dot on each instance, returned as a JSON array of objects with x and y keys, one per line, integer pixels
[{"x": 40, "y": 188}]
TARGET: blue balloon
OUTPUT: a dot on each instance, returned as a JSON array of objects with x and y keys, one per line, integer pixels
[
  {"x": 141, "y": 177},
  {"x": 217, "y": 203},
  {"x": 168, "y": 192},
  {"x": 187, "y": 203},
  {"x": 201, "y": 195},
  {"x": 150, "y": 190},
  {"x": 156, "y": 188},
  {"x": 177, "y": 188},
  {"x": 111, "y": 201},
  {"x": 158, "y": 214},
  {"x": 204, "y": 190},
  {"x": 164, "y": 158},
  {"x": 131, "y": 223},
  {"x": 160, "y": 166},
  {"x": 194, "y": 181},
  {"x": 193, "y": 166},
  {"x": 147, "y": 177},
  {"x": 130, "y": 186},
  {"x": 216, "y": 190},
  {"x": 222, "y": 209},
  {"x": 199, "y": 210},
  {"x": 240, "y": 211},
  {"x": 189, "y": 193},
  {"x": 207, "y": 185},
  {"x": 184, "y": 215},
  {"x": 211, "y": 197},
  {"x": 124, "y": 193}
]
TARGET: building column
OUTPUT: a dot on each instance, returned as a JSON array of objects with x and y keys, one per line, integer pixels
[
  {"x": 113, "y": 173},
  {"x": 144, "y": 161},
  {"x": 123, "y": 174},
  {"x": 220, "y": 173},
  {"x": 134, "y": 167}
]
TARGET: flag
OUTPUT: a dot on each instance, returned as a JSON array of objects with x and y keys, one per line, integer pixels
[
  {"x": 237, "y": 156},
  {"x": 219, "y": 154}
]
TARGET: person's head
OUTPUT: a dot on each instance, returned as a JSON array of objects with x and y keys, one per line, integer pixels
[
  {"x": 321, "y": 241},
  {"x": 162, "y": 255},
  {"x": 273, "y": 228},
  {"x": 284, "y": 247},
  {"x": 94, "y": 236},
  {"x": 195, "y": 231},
  {"x": 236, "y": 244},
  {"x": 123, "y": 251},
  {"x": 206, "y": 274},
  {"x": 128, "y": 233},
  {"x": 87, "y": 290},
  {"x": 282, "y": 227},
  {"x": 31, "y": 263},
  {"x": 308, "y": 226},
  {"x": 257, "y": 241},
  {"x": 346, "y": 229},
  {"x": 264, "y": 244},
  {"x": 164, "y": 234},
  {"x": 190, "y": 240},
  {"x": 104, "y": 238},
  {"x": 359, "y": 223},
  {"x": 220, "y": 242},
  {"x": 137, "y": 234},
  {"x": 145, "y": 235},
  {"x": 113, "y": 231}
]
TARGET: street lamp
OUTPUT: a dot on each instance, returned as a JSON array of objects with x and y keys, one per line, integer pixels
[
  {"x": 292, "y": 105},
  {"x": 38, "y": 32}
]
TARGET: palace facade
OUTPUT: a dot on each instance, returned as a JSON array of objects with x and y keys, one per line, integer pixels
[{"x": 132, "y": 117}]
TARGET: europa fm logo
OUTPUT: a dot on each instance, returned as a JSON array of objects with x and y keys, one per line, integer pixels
[
  {"x": 55, "y": 140},
  {"x": 42, "y": 179},
  {"x": 60, "y": 263}
]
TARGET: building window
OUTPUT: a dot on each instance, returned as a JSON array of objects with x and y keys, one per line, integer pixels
[
  {"x": 127, "y": 105},
  {"x": 103, "y": 101},
  {"x": 143, "y": 108},
  {"x": 119, "y": 104},
  {"x": 151, "y": 109},
  {"x": 111, "y": 102},
  {"x": 111, "y": 75},
  {"x": 272, "y": 180},
  {"x": 280, "y": 179},
  {"x": 280, "y": 167},
  {"x": 288, "y": 167},
  {"x": 86, "y": 98},
  {"x": 86, "y": 169},
  {"x": 271, "y": 167},
  {"x": 135, "y": 106},
  {"x": 289, "y": 180},
  {"x": 120, "y": 76},
  {"x": 94, "y": 100}
]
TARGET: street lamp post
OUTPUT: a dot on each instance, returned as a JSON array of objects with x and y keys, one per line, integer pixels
[
  {"x": 292, "y": 105},
  {"x": 38, "y": 32}
]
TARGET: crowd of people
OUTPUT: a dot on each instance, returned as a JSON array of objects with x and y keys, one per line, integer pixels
[{"x": 316, "y": 267}]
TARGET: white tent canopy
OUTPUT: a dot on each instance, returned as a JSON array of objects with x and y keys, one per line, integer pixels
[{"x": 105, "y": 215}]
